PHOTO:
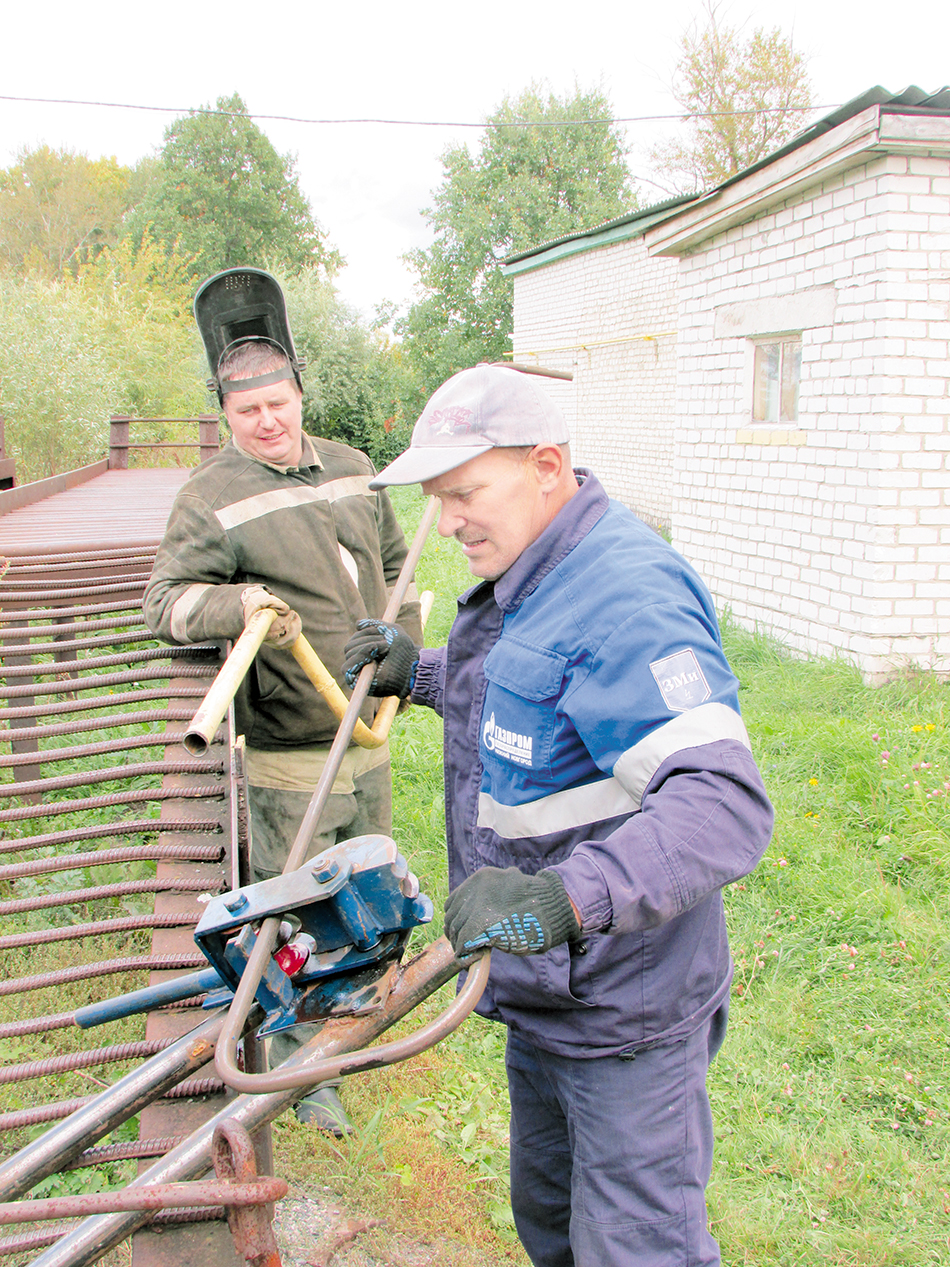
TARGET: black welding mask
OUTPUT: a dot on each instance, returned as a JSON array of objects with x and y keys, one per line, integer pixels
[{"x": 244, "y": 305}]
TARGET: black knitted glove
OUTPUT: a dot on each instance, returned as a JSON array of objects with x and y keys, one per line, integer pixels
[
  {"x": 508, "y": 910},
  {"x": 393, "y": 650}
]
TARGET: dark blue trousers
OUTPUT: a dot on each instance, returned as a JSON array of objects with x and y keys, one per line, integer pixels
[{"x": 610, "y": 1157}]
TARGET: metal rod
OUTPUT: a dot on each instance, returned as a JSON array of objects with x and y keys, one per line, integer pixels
[
  {"x": 159, "y": 1196},
  {"x": 229, "y": 677},
  {"x": 416, "y": 981}
]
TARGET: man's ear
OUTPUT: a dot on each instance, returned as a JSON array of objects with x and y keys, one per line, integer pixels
[{"x": 548, "y": 461}]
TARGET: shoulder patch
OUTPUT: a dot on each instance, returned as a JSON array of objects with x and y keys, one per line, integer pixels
[{"x": 681, "y": 680}]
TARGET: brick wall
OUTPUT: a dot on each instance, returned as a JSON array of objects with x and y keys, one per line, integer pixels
[
  {"x": 834, "y": 532},
  {"x": 609, "y": 316}
]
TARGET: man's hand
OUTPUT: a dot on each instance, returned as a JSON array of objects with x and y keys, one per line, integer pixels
[
  {"x": 287, "y": 626},
  {"x": 394, "y": 652},
  {"x": 508, "y": 910}
]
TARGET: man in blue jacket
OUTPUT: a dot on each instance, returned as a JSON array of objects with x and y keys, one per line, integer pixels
[{"x": 600, "y": 791}]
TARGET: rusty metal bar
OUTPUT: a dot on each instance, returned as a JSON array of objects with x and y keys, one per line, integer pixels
[
  {"x": 45, "y": 667},
  {"x": 90, "y": 609},
  {"x": 70, "y": 644},
  {"x": 92, "y": 1058},
  {"x": 108, "y": 774},
  {"x": 49, "y": 756},
  {"x": 99, "y": 928},
  {"x": 104, "y": 968},
  {"x": 178, "y": 884},
  {"x": 108, "y": 857},
  {"x": 131, "y": 718},
  {"x": 99, "y": 701},
  {"x": 190, "y": 1089},
  {"x": 133, "y": 797},
  {"x": 96, "y": 681},
  {"x": 123, "y": 827},
  {"x": 162, "y": 1196}
]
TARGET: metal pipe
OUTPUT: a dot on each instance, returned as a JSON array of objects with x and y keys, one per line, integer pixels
[
  {"x": 416, "y": 981},
  {"x": 229, "y": 677},
  {"x": 159, "y": 1196},
  {"x": 267, "y": 934},
  {"x": 60, "y": 1144}
]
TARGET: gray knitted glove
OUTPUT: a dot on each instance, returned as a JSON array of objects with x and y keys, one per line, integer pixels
[{"x": 508, "y": 910}]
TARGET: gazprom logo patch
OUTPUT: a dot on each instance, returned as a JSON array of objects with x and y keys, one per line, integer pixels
[
  {"x": 681, "y": 681},
  {"x": 507, "y": 743}
]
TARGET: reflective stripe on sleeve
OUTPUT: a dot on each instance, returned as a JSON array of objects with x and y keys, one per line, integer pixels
[
  {"x": 183, "y": 608},
  {"x": 284, "y": 498},
  {"x": 621, "y": 794},
  {"x": 561, "y": 811},
  {"x": 705, "y": 724}
]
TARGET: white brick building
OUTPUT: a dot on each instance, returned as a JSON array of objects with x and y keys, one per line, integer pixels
[{"x": 765, "y": 369}]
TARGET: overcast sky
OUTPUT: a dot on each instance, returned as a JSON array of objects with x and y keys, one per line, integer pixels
[{"x": 421, "y": 61}]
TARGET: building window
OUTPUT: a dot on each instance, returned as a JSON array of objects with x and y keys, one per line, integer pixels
[{"x": 778, "y": 368}]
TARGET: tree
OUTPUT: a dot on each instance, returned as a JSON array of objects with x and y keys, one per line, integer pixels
[
  {"x": 117, "y": 338},
  {"x": 226, "y": 197},
  {"x": 59, "y": 209},
  {"x": 538, "y": 175},
  {"x": 745, "y": 98}
]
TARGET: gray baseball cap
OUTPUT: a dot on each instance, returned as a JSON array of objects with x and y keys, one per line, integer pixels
[{"x": 487, "y": 407}]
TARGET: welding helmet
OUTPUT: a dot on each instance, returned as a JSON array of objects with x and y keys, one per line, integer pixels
[{"x": 244, "y": 305}]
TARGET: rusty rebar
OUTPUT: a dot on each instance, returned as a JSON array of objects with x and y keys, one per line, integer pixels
[
  {"x": 97, "y": 681},
  {"x": 108, "y": 857},
  {"x": 85, "y": 591},
  {"x": 138, "y": 716},
  {"x": 127, "y": 1151},
  {"x": 31, "y": 1069},
  {"x": 207, "y": 1192},
  {"x": 102, "y": 968},
  {"x": 121, "y": 827},
  {"x": 108, "y": 774},
  {"x": 45, "y": 667},
  {"x": 75, "y": 644},
  {"x": 76, "y": 897},
  {"x": 99, "y": 928},
  {"x": 55, "y": 613},
  {"x": 125, "y": 743},
  {"x": 88, "y": 705},
  {"x": 190, "y": 1089},
  {"x": 132, "y": 797}
]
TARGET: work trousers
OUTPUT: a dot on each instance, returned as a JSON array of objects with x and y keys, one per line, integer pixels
[
  {"x": 610, "y": 1157},
  {"x": 276, "y": 815}
]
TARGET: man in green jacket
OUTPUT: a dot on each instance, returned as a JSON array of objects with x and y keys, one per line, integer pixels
[{"x": 285, "y": 520}]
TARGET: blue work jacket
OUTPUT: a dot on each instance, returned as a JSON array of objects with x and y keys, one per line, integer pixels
[{"x": 592, "y": 726}]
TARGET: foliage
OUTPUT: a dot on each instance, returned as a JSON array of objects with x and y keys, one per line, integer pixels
[
  {"x": 226, "y": 197},
  {"x": 59, "y": 209},
  {"x": 746, "y": 97},
  {"x": 116, "y": 338},
  {"x": 355, "y": 378},
  {"x": 536, "y": 176}
]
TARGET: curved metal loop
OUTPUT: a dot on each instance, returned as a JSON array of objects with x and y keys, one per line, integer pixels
[{"x": 345, "y": 1063}]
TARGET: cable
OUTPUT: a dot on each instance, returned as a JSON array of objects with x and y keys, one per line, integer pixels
[{"x": 682, "y": 117}]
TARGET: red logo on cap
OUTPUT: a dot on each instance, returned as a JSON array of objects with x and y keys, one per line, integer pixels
[{"x": 452, "y": 422}]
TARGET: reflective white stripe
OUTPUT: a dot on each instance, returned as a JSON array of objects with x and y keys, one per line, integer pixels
[
  {"x": 182, "y": 610},
  {"x": 574, "y": 807},
  {"x": 705, "y": 724},
  {"x": 608, "y": 798},
  {"x": 284, "y": 498},
  {"x": 349, "y": 563}
]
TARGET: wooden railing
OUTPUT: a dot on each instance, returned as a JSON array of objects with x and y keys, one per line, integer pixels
[{"x": 120, "y": 425}]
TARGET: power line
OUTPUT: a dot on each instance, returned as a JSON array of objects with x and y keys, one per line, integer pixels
[{"x": 682, "y": 117}]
